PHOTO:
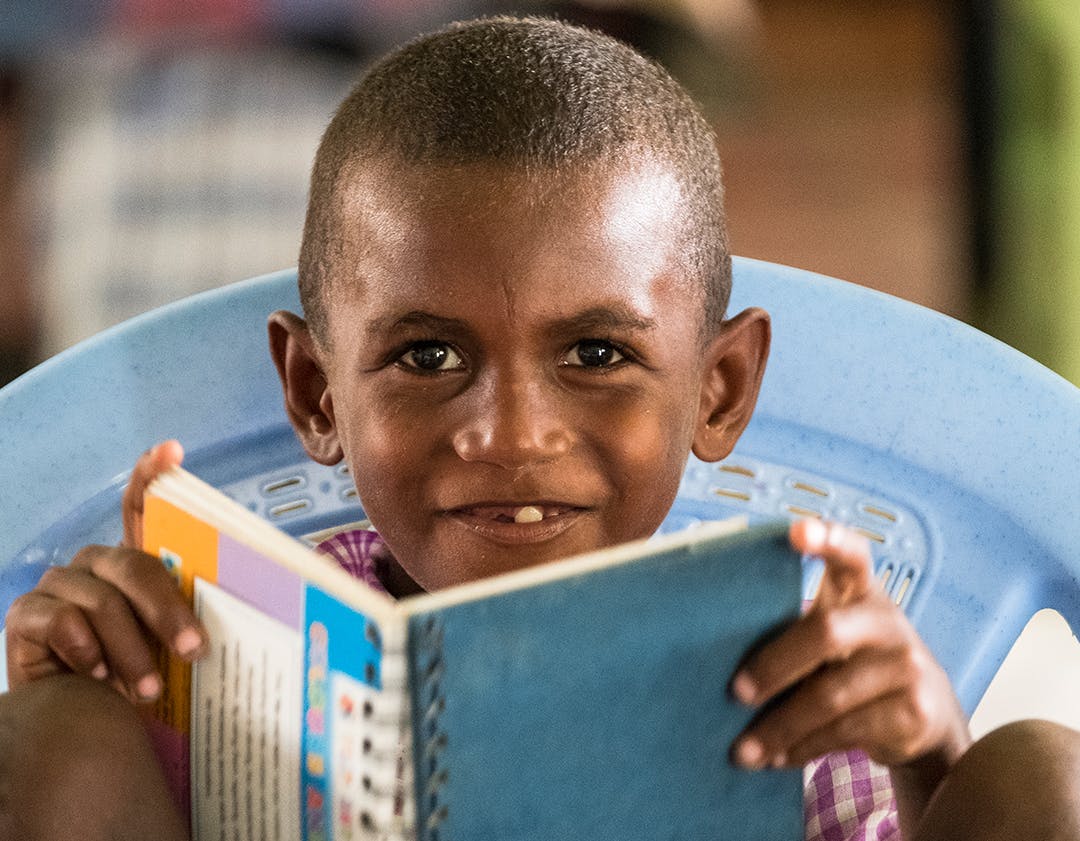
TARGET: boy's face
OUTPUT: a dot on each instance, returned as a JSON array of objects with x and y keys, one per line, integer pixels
[{"x": 516, "y": 371}]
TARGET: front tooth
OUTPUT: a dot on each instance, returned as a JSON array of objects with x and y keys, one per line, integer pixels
[{"x": 528, "y": 514}]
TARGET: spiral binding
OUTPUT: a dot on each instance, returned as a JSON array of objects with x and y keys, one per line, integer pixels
[
  {"x": 384, "y": 802},
  {"x": 432, "y": 812}
]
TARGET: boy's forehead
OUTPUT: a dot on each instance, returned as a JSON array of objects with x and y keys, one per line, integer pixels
[
  {"x": 440, "y": 239},
  {"x": 636, "y": 209},
  {"x": 480, "y": 187},
  {"x": 563, "y": 241}
]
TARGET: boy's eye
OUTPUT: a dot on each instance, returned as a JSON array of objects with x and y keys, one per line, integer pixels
[
  {"x": 431, "y": 356},
  {"x": 594, "y": 353}
]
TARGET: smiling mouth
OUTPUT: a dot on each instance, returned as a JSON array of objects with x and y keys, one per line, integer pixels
[
  {"x": 529, "y": 523},
  {"x": 533, "y": 513}
]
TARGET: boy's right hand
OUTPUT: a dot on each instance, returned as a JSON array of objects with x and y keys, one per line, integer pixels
[{"x": 102, "y": 614}]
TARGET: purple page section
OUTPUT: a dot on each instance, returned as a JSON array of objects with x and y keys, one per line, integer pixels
[{"x": 250, "y": 576}]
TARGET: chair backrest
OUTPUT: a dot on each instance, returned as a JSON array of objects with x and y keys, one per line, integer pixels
[{"x": 957, "y": 456}]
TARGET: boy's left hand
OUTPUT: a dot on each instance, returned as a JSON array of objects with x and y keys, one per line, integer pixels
[{"x": 857, "y": 674}]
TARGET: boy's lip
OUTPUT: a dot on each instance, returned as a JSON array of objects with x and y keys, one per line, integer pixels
[
  {"x": 505, "y": 511},
  {"x": 496, "y": 520}
]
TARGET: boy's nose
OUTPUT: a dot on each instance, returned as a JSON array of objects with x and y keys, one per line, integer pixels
[{"x": 513, "y": 426}]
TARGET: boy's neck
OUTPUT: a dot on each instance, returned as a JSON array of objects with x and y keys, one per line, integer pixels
[{"x": 395, "y": 579}]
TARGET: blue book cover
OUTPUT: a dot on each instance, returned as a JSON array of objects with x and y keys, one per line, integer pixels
[{"x": 595, "y": 704}]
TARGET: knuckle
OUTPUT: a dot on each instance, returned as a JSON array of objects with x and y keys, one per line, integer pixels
[
  {"x": 87, "y": 556},
  {"x": 133, "y": 564},
  {"x": 52, "y": 577},
  {"x": 906, "y": 716},
  {"x": 916, "y": 665},
  {"x": 923, "y": 704},
  {"x": 19, "y": 607},
  {"x": 908, "y": 745},
  {"x": 124, "y": 565},
  {"x": 108, "y": 605},
  {"x": 67, "y": 631},
  {"x": 829, "y": 635},
  {"x": 908, "y": 728},
  {"x": 833, "y": 698}
]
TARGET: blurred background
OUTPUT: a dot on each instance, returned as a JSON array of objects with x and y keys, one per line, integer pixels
[{"x": 150, "y": 149}]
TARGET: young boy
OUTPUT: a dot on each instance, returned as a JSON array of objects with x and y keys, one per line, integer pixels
[{"x": 514, "y": 275}]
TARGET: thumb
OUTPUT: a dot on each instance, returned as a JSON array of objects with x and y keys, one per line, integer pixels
[
  {"x": 156, "y": 460},
  {"x": 849, "y": 571}
]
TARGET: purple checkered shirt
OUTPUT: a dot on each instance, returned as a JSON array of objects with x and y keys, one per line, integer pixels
[{"x": 846, "y": 797}]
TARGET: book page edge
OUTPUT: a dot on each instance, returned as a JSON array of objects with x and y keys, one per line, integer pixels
[
  {"x": 185, "y": 490},
  {"x": 572, "y": 566}
]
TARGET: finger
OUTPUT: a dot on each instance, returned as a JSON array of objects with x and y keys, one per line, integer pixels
[
  {"x": 818, "y": 638},
  {"x": 47, "y": 636},
  {"x": 846, "y": 553},
  {"x": 127, "y": 651},
  {"x": 157, "y": 459},
  {"x": 891, "y": 731},
  {"x": 830, "y": 693},
  {"x": 152, "y": 594}
]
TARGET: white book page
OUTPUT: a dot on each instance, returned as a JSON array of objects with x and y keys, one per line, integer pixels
[{"x": 245, "y": 724}]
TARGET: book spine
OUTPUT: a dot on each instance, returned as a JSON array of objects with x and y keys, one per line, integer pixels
[{"x": 429, "y": 701}]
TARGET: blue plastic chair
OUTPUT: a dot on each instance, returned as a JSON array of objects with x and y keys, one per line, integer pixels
[{"x": 957, "y": 456}]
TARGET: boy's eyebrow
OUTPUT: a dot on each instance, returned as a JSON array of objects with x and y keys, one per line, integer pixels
[
  {"x": 415, "y": 318},
  {"x": 614, "y": 318}
]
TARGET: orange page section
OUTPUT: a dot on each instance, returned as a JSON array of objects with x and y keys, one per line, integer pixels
[{"x": 189, "y": 548}]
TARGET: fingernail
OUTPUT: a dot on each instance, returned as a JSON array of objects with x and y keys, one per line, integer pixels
[
  {"x": 750, "y": 753},
  {"x": 100, "y": 672},
  {"x": 816, "y": 532},
  {"x": 148, "y": 687},
  {"x": 744, "y": 689},
  {"x": 187, "y": 642}
]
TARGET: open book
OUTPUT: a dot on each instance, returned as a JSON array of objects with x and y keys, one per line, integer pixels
[{"x": 582, "y": 699}]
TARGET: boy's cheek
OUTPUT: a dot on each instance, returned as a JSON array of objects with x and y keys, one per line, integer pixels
[
  {"x": 651, "y": 438},
  {"x": 371, "y": 438}
]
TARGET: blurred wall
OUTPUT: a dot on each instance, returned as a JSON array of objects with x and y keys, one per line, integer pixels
[
  {"x": 19, "y": 311},
  {"x": 172, "y": 171},
  {"x": 1032, "y": 296},
  {"x": 848, "y": 155},
  {"x": 165, "y": 149}
]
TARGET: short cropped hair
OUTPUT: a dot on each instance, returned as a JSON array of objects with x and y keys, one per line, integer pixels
[{"x": 529, "y": 93}]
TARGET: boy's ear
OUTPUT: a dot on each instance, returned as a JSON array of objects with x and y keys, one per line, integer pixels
[
  {"x": 308, "y": 401},
  {"x": 734, "y": 365}
]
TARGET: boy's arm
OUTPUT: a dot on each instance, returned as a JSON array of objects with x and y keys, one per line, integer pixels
[
  {"x": 100, "y": 615},
  {"x": 857, "y": 676}
]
